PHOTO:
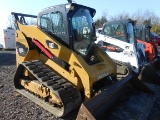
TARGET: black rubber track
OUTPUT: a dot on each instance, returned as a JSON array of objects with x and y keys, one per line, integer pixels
[{"x": 68, "y": 93}]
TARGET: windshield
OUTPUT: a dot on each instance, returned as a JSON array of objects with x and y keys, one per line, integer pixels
[
  {"x": 144, "y": 37},
  {"x": 130, "y": 33},
  {"x": 114, "y": 30},
  {"x": 139, "y": 33},
  {"x": 83, "y": 31},
  {"x": 53, "y": 23}
]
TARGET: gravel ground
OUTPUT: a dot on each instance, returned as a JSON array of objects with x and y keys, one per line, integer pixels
[
  {"x": 17, "y": 107},
  {"x": 12, "y": 104}
]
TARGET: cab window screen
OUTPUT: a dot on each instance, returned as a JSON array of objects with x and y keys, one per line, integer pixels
[{"x": 53, "y": 22}]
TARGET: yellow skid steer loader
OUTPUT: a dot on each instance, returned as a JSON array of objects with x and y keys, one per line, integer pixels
[{"x": 60, "y": 68}]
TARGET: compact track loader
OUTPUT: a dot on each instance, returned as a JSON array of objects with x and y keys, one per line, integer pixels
[
  {"x": 118, "y": 40},
  {"x": 60, "y": 68},
  {"x": 151, "y": 46}
]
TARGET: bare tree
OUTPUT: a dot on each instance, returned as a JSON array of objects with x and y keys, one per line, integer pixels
[
  {"x": 150, "y": 15},
  {"x": 138, "y": 16},
  {"x": 120, "y": 16},
  {"x": 99, "y": 22},
  {"x": 143, "y": 17},
  {"x": 32, "y": 21},
  {"x": 105, "y": 13}
]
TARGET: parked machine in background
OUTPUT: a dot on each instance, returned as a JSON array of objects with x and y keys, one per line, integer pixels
[
  {"x": 151, "y": 45},
  {"x": 7, "y": 38},
  {"x": 155, "y": 38},
  {"x": 58, "y": 61},
  {"x": 118, "y": 37},
  {"x": 143, "y": 36}
]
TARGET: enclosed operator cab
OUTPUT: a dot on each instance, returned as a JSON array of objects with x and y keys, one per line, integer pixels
[{"x": 74, "y": 29}]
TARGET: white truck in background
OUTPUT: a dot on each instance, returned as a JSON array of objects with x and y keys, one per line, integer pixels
[{"x": 7, "y": 39}]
